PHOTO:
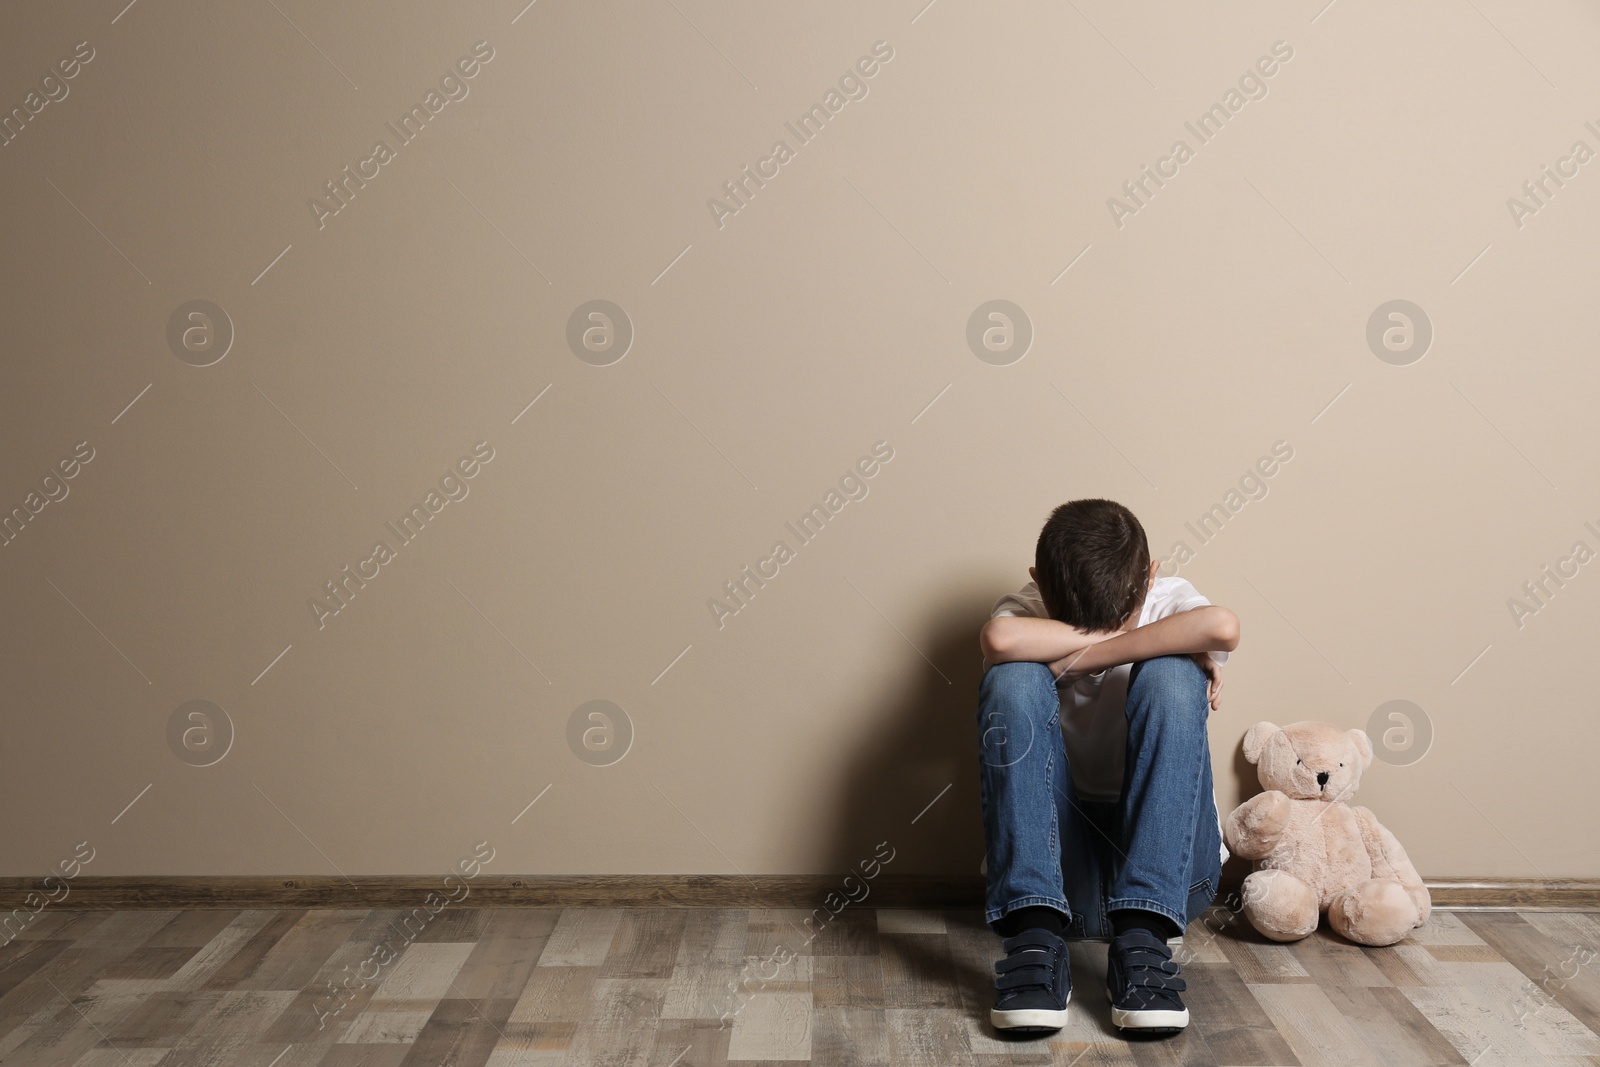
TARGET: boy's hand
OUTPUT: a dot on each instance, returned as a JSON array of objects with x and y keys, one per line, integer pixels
[{"x": 1213, "y": 676}]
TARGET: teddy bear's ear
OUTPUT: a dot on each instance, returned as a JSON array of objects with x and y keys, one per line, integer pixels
[
  {"x": 1363, "y": 746},
  {"x": 1255, "y": 739}
]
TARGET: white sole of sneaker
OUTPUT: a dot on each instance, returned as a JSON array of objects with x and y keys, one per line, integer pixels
[
  {"x": 1160, "y": 1021},
  {"x": 1029, "y": 1018}
]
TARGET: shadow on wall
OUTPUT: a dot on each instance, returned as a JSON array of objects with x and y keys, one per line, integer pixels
[
  {"x": 1244, "y": 776},
  {"x": 925, "y": 738}
]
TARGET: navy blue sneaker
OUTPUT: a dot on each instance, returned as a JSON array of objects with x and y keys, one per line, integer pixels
[
  {"x": 1143, "y": 984},
  {"x": 1033, "y": 985}
]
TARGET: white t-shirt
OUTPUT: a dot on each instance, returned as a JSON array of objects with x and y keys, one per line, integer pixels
[{"x": 1094, "y": 719}]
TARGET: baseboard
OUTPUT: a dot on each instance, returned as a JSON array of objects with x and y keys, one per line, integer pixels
[
  {"x": 1515, "y": 894},
  {"x": 502, "y": 891},
  {"x": 650, "y": 891}
]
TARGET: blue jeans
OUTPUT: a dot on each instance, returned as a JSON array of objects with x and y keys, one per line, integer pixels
[{"x": 1156, "y": 848}]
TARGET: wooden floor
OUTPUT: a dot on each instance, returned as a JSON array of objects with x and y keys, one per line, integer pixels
[{"x": 649, "y": 988}]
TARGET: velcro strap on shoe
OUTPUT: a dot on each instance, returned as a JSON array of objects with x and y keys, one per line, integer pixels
[
  {"x": 1148, "y": 979},
  {"x": 1153, "y": 969},
  {"x": 1021, "y": 978},
  {"x": 1034, "y": 957}
]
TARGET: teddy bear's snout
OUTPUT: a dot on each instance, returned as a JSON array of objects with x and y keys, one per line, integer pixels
[{"x": 1322, "y": 779}]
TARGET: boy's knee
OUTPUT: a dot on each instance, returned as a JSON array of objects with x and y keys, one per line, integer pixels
[
  {"x": 1167, "y": 673},
  {"x": 1022, "y": 678},
  {"x": 1176, "y": 685},
  {"x": 1018, "y": 704}
]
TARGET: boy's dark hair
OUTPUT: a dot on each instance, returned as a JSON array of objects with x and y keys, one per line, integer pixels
[{"x": 1092, "y": 562}]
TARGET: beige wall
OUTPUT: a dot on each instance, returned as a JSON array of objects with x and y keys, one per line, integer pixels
[{"x": 1225, "y": 315}]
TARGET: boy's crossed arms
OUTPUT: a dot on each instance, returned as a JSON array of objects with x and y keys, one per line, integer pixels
[{"x": 1072, "y": 653}]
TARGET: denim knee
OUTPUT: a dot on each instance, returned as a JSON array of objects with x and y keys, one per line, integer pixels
[
  {"x": 1023, "y": 683},
  {"x": 1167, "y": 673},
  {"x": 1177, "y": 686},
  {"x": 1017, "y": 703}
]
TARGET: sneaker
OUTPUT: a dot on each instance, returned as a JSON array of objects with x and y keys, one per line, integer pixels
[
  {"x": 1033, "y": 985},
  {"x": 1143, "y": 984}
]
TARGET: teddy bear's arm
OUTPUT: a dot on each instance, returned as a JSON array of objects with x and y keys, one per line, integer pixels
[
  {"x": 1389, "y": 859},
  {"x": 1254, "y": 827}
]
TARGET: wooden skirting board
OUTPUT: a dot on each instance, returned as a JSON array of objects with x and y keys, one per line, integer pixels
[{"x": 645, "y": 891}]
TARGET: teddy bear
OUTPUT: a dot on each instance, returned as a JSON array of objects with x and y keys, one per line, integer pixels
[{"x": 1315, "y": 852}]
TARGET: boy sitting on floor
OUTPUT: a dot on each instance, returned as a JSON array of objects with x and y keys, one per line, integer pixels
[{"x": 1095, "y": 774}]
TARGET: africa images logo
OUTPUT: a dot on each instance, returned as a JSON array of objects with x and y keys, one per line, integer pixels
[
  {"x": 454, "y": 485},
  {"x": 1210, "y": 123},
  {"x": 741, "y": 589},
  {"x": 453, "y": 86}
]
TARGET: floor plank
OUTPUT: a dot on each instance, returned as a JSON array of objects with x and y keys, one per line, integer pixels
[
  {"x": 1318, "y": 1033},
  {"x": 163, "y": 1018},
  {"x": 459, "y": 1033},
  {"x": 1236, "y": 1027},
  {"x": 1391, "y": 1026},
  {"x": 581, "y": 938},
  {"x": 918, "y": 971},
  {"x": 1566, "y": 972},
  {"x": 300, "y": 953},
  {"x": 645, "y": 944}
]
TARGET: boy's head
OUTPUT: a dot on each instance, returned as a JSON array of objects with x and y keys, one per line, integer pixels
[{"x": 1092, "y": 564}]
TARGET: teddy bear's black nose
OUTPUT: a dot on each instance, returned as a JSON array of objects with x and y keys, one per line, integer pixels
[{"x": 1322, "y": 779}]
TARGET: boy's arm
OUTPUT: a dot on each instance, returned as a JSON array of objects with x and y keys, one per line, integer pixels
[
  {"x": 1209, "y": 628},
  {"x": 1013, "y": 638}
]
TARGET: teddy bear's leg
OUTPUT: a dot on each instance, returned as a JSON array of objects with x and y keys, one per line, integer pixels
[
  {"x": 1280, "y": 905},
  {"x": 1389, "y": 860},
  {"x": 1378, "y": 911}
]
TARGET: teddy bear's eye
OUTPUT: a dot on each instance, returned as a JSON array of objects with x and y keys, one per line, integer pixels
[
  {"x": 1297, "y": 763},
  {"x": 1341, "y": 765}
]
